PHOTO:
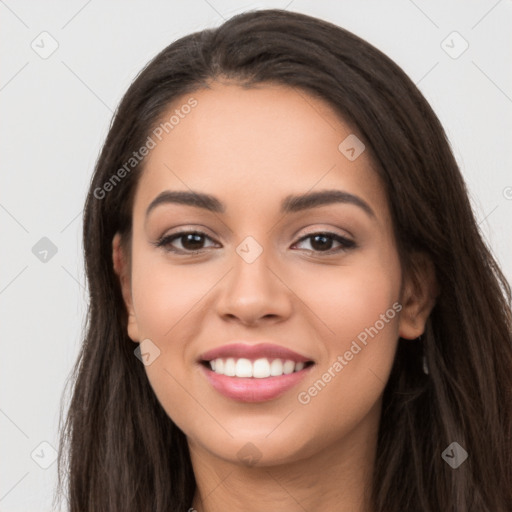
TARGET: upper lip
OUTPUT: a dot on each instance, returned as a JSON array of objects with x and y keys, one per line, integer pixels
[{"x": 260, "y": 350}]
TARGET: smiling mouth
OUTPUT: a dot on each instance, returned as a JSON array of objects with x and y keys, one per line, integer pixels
[{"x": 258, "y": 369}]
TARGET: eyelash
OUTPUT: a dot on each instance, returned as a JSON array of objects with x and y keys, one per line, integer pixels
[{"x": 346, "y": 244}]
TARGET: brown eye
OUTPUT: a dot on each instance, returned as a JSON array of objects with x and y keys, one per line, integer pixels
[
  {"x": 192, "y": 241},
  {"x": 187, "y": 242},
  {"x": 323, "y": 242}
]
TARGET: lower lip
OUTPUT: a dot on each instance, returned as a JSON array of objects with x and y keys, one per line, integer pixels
[{"x": 245, "y": 389}]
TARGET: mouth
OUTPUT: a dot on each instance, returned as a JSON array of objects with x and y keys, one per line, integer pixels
[{"x": 254, "y": 372}]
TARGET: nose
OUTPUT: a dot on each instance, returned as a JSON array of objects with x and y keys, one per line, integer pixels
[{"x": 253, "y": 293}]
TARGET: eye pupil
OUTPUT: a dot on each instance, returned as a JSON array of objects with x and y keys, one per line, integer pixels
[
  {"x": 192, "y": 241},
  {"x": 325, "y": 242}
]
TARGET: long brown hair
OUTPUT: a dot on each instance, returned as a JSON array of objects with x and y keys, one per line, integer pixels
[{"x": 120, "y": 451}]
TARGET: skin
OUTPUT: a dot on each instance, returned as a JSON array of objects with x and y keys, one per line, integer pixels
[{"x": 251, "y": 148}]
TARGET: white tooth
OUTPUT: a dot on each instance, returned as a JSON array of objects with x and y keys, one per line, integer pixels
[
  {"x": 229, "y": 367},
  {"x": 288, "y": 366},
  {"x": 261, "y": 369},
  {"x": 243, "y": 368},
  {"x": 219, "y": 366},
  {"x": 276, "y": 368}
]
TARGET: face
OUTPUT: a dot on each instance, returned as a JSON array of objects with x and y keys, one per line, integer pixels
[{"x": 257, "y": 273}]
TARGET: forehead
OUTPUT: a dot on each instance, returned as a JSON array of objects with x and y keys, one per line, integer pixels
[{"x": 255, "y": 144}]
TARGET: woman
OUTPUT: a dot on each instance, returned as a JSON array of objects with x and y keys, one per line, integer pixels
[{"x": 291, "y": 305}]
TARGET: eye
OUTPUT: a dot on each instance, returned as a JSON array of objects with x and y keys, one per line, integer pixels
[
  {"x": 323, "y": 242},
  {"x": 190, "y": 242}
]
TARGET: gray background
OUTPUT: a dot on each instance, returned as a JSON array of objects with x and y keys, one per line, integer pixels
[{"x": 55, "y": 113}]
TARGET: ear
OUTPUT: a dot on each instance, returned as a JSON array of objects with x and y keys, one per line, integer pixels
[
  {"x": 419, "y": 294},
  {"x": 122, "y": 269}
]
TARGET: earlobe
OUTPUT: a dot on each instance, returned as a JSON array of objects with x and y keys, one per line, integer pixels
[
  {"x": 121, "y": 268},
  {"x": 418, "y": 298}
]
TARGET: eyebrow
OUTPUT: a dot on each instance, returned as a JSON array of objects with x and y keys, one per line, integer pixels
[{"x": 290, "y": 204}]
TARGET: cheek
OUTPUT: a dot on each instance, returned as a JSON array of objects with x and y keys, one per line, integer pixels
[
  {"x": 358, "y": 310},
  {"x": 342, "y": 301},
  {"x": 366, "y": 296},
  {"x": 165, "y": 298},
  {"x": 164, "y": 293}
]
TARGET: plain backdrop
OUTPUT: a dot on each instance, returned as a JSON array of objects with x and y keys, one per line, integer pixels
[{"x": 65, "y": 66}]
